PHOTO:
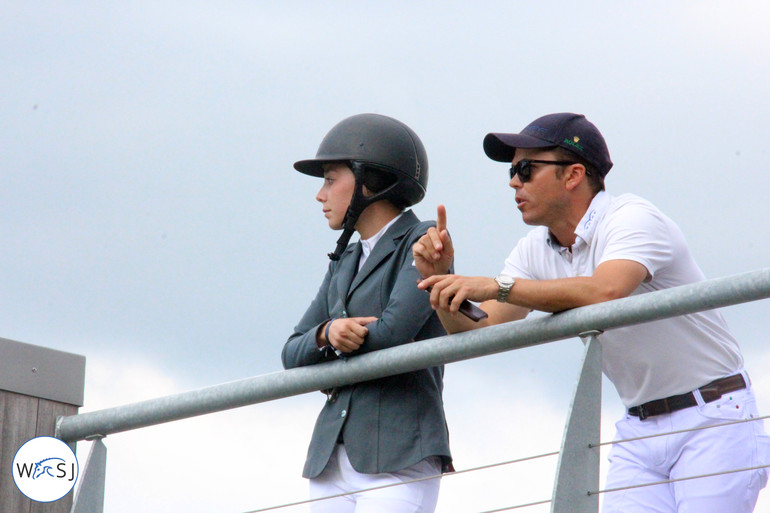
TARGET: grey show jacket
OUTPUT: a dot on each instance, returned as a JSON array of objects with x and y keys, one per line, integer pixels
[{"x": 391, "y": 423}]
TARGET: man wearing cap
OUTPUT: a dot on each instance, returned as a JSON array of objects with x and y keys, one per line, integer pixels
[{"x": 672, "y": 375}]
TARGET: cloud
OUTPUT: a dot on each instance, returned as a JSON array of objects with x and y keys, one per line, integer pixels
[
  {"x": 231, "y": 461},
  {"x": 251, "y": 458}
]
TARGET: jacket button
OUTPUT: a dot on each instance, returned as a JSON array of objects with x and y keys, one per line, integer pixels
[{"x": 343, "y": 413}]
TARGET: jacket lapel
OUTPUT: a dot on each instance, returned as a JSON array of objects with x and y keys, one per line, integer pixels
[
  {"x": 347, "y": 270},
  {"x": 383, "y": 249}
]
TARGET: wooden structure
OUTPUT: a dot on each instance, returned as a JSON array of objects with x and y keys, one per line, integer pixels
[{"x": 37, "y": 385}]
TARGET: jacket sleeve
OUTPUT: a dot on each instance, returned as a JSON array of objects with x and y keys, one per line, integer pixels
[
  {"x": 407, "y": 309},
  {"x": 301, "y": 348}
]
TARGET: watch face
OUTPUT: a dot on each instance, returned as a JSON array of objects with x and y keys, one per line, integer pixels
[{"x": 504, "y": 280}]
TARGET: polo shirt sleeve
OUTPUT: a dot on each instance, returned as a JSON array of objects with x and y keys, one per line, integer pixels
[
  {"x": 634, "y": 229},
  {"x": 526, "y": 258}
]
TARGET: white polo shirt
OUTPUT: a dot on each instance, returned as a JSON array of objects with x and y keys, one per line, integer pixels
[{"x": 655, "y": 359}]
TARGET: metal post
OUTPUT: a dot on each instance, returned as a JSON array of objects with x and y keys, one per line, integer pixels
[
  {"x": 89, "y": 496},
  {"x": 578, "y": 469}
]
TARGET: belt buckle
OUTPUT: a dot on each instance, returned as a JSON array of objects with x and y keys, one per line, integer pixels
[
  {"x": 710, "y": 393},
  {"x": 643, "y": 413}
]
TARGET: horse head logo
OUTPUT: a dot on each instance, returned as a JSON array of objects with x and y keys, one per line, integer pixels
[{"x": 44, "y": 468}]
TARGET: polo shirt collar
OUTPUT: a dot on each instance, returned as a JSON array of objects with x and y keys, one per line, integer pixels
[{"x": 586, "y": 228}]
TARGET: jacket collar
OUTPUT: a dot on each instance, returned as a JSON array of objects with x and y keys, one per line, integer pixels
[{"x": 382, "y": 250}]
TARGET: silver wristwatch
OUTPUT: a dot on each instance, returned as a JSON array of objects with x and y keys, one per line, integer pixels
[{"x": 505, "y": 282}]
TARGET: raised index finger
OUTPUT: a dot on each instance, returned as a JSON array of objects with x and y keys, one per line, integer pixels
[{"x": 441, "y": 218}]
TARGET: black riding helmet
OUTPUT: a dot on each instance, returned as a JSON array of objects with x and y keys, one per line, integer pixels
[{"x": 384, "y": 154}]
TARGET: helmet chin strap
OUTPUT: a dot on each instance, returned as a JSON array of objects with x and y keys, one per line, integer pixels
[{"x": 358, "y": 204}]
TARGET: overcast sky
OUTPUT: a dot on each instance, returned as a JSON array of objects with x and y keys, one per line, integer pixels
[{"x": 152, "y": 220}]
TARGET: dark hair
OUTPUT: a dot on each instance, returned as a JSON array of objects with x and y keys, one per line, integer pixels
[
  {"x": 595, "y": 179},
  {"x": 376, "y": 181}
]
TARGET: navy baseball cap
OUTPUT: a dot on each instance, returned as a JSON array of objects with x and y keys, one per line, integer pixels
[{"x": 566, "y": 130}]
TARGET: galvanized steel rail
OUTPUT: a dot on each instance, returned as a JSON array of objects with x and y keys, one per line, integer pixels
[{"x": 720, "y": 292}]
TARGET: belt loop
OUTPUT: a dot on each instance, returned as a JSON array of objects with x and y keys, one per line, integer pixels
[
  {"x": 698, "y": 397},
  {"x": 746, "y": 378}
]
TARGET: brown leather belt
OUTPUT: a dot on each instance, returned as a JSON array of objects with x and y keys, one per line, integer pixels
[{"x": 710, "y": 392}]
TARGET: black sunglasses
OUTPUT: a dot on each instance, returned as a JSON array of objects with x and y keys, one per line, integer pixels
[{"x": 523, "y": 168}]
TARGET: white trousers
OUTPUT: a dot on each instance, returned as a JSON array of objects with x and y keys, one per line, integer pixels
[
  {"x": 339, "y": 476},
  {"x": 690, "y": 454}
]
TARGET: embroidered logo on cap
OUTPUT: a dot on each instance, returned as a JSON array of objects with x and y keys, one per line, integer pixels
[{"x": 574, "y": 143}]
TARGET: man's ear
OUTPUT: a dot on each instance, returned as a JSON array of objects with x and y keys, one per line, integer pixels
[{"x": 575, "y": 174}]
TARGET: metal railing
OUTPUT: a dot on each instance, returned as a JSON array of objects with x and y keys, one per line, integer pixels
[{"x": 578, "y": 467}]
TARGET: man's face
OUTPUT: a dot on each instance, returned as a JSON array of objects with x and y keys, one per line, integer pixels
[
  {"x": 542, "y": 198},
  {"x": 336, "y": 193}
]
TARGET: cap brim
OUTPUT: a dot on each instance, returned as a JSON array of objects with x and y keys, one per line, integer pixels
[{"x": 501, "y": 147}]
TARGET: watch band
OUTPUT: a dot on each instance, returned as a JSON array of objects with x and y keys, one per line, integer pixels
[{"x": 505, "y": 283}]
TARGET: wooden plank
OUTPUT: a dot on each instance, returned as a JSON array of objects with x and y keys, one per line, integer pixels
[
  {"x": 47, "y": 413},
  {"x": 18, "y": 423},
  {"x": 21, "y": 418}
]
